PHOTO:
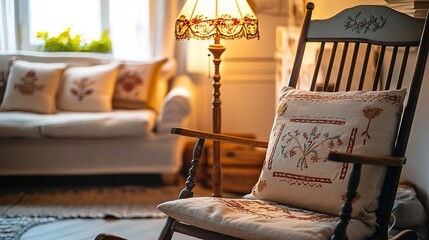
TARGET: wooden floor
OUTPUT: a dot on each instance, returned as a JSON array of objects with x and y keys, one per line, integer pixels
[
  {"x": 80, "y": 229},
  {"x": 87, "y": 229}
]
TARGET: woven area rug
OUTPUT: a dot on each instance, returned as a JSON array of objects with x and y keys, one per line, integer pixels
[{"x": 20, "y": 210}]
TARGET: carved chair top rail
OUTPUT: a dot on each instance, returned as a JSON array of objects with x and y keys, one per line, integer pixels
[{"x": 378, "y": 25}]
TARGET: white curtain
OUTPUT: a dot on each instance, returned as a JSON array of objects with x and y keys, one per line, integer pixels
[
  {"x": 142, "y": 29},
  {"x": 163, "y": 19},
  {"x": 7, "y": 25},
  {"x": 129, "y": 29}
]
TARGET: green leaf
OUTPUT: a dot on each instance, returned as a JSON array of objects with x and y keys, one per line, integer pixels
[{"x": 64, "y": 42}]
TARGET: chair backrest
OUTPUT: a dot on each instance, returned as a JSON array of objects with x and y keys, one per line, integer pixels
[{"x": 349, "y": 44}]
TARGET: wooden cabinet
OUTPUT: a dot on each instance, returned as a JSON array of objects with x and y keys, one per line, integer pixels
[
  {"x": 241, "y": 165},
  {"x": 240, "y": 168}
]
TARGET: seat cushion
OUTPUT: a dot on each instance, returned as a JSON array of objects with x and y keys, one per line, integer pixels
[
  {"x": 117, "y": 123},
  {"x": 307, "y": 127},
  {"x": 257, "y": 219},
  {"x": 21, "y": 124}
]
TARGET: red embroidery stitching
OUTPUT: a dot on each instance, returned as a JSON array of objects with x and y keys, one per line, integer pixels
[
  {"x": 261, "y": 185},
  {"x": 349, "y": 150},
  {"x": 129, "y": 80},
  {"x": 282, "y": 108},
  {"x": 319, "y": 121},
  {"x": 82, "y": 89},
  {"x": 28, "y": 85},
  {"x": 308, "y": 148},
  {"x": 270, "y": 210},
  {"x": 370, "y": 113},
  {"x": 273, "y": 150},
  {"x": 315, "y": 97},
  {"x": 301, "y": 177}
]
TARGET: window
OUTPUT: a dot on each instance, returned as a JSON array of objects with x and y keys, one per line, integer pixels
[
  {"x": 136, "y": 27},
  {"x": 87, "y": 18}
]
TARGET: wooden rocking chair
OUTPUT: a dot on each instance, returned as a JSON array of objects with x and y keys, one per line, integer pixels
[{"x": 390, "y": 39}]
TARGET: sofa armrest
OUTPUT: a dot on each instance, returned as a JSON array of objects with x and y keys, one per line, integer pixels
[{"x": 177, "y": 105}]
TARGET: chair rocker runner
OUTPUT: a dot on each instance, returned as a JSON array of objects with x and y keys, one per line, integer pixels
[{"x": 336, "y": 150}]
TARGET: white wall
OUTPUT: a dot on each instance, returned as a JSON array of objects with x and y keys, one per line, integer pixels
[
  {"x": 416, "y": 170},
  {"x": 328, "y": 8}
]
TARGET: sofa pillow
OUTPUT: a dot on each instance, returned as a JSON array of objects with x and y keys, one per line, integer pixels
[
  {"x": 88, "y": 89},
  {"x": 32, "y": 86},
  {"x": 2, "y": 85},
  {"x": 310, "y": 124},
  {"x": 135, "y": 84}
]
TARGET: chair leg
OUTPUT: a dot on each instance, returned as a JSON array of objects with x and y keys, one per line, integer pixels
[
  {"x": 346, "y": 211},
  {"x": 167, "y": 231}
]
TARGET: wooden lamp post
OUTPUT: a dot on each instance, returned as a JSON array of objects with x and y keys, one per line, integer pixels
[{"x": 216, "y": 19}]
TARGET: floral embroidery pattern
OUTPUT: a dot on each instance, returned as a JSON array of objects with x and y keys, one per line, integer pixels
[
  {"x": 292, "y": 182},
  {"x": 372, "y": 24},
  {"x": 28, "y": 85},
  {"x": 370, "y": 113},
  {"x": 307, "y": 149},
  {"x": 271, "y": 210},
  {"x": 129, "y": 80},
  {"x": 82, "y": 88}
]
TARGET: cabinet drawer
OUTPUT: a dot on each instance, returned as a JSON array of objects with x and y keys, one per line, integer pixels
[
  {"x": 238, "y": 180},
  {"x": 238, "y": 157}
]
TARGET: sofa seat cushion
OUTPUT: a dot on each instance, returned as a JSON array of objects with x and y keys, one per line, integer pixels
[
  {"x": 118, "y": 123},
  {"x": 21, "y": 124},
  {"x": 257, "y": 219}
]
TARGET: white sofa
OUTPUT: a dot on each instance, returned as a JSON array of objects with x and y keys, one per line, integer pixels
[{"x": 116, "y": 142}]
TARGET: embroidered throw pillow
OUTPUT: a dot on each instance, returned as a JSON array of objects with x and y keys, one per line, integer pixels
[
  {"x": 32, "y": 86},
  {"x": 136, "y": 83},
  {"x": 310, "y": 124},
  {"x": 88, "y": 89}
]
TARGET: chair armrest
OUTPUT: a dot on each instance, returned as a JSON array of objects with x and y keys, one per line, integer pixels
[
  {"x": 177, "y": 105},
  {"x": 218, "y": 137},
  {"x": 389, "y": 161}
]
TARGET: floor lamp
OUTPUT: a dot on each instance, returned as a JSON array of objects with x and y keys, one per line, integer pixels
[{"x": 216, "y": 19}]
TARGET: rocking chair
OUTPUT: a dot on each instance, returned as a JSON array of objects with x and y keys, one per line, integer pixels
[{"x": 336, "y": 151}]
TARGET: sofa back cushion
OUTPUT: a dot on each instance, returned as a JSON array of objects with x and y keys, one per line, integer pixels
[
  {"x": 88, "y": 89},
  {"x": 136, "y": 84},
  {"x": 32, "y": 87}
]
